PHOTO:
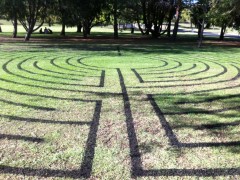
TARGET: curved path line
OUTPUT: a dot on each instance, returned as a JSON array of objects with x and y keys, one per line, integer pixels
[
  {"x": 27, "y": 105},
  {"x": 68, "y": 62},
  {"x": 225, "y": 70},
  {"x": 35, "y": 64},
  {"x": 179, "y": 64},
  {"x": 190, "y": 74},
  {"x": 183, "y": 70},
  {"x": 198, "y": 84},
  {"x": 43, "y": 96},
  {"x": 153, "y": 67},
  {"x": 52, "y": 61},
  {"x": 41, "y": 74},
  {"x": 38, "y": 80}
]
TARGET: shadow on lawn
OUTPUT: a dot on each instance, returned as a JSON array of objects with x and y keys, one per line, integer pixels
[
  {"x": 104, "y": 43},
  {"x": 137, "y": 167},
  {"x": 135, "y": 155},
  {"x": 230, "y": 109},
  {"x": 173, "y": 140},
  {"x": 136, "y": 162},
  {"x": 19, "y": 137},
  {"x": 87, "y": 161}
]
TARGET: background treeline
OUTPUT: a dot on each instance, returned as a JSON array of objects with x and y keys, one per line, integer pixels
[{"x": 154, "y": 17}]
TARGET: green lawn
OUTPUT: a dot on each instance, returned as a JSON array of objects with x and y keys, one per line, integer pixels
[{"x": 143, "y": 109}]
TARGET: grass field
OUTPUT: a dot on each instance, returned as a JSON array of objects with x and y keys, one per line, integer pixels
[{"x": 141, "y": 109}]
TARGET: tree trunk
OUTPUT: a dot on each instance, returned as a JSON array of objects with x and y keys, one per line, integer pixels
[
  {"x": 191, "y": 24},
  {"x": 85, "y": 31},
  {"x": 223, "y": 30},
  {"x": 143, "y": 2},
  {"x": 170, "y": 17},
  {"x": 201, "y": 34},
  {"x": 132, "y": 30},
  {"x": 0, "y": 29},
  {"x": 28, "y": 35},
  {"x": 88, "y": 30},
  {"x": 148, "y": 29},
  {"x": 63, "y": 32},
  {"x": 115, "y": 25},
  {"x": 85, "y": 35},
  {"x": 29, "y": 31},
  {"x": 15, "y": 27},
  {"x": 139, "y": 27},
  {"x": 175, "y": 30},
  {"x": 155, "y": 33},
  {"x": 199, "y": 29},
  {"x": 208, "y": 25},
  {"x": 169, "y": 27},
  {"x": 79, "y": 28}
]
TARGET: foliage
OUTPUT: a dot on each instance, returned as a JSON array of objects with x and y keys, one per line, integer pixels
[
  {"x": 185, "y": 17},
  {"x": 9, "y": 8},
  {"x": 155, "y": 15}
]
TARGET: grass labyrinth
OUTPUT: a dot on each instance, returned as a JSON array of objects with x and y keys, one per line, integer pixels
[{"x": 72, "y": 111}]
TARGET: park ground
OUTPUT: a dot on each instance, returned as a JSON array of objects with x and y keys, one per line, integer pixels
[{"x": 99, "y": 108}]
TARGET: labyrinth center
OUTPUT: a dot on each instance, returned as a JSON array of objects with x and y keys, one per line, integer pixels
[{"x": 151, "y": 116}]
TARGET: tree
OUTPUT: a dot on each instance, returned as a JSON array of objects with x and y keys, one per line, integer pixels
[
  {"x": 63, "y": 10},
  {"x": 154, "y": 14},
  {"x": 235, "y": 13},
  {"x": 225, "y": 14},
  {"x": 115, "y": 17},
  {"x": 171, "y": 13},
  {"x": 221, "y": 15},
  {"x": 178, "y": 15},
  {"x": 131, "y": 13},
  {"x": 12, "y": 10},
  {"x": 180, "y": 5},
  {"x": 87, "y": 13},
  {"x": 200, "y": 17},
  {"x": 115, "y": 9},
  {"x": 1, "y": 14},
  {"x": 34, "y": 11}
]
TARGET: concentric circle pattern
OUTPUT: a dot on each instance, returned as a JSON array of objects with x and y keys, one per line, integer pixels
[{"x": 75, "y": 115}]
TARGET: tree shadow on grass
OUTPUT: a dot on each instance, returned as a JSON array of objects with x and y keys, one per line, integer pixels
[
  {"x": 111, "y": 48},
  {"x": 173, "y": 141},
  {"x": 87, "y": 161},
  {"x": 19, "y": 137},
  {"x": 229, "y": 109}
]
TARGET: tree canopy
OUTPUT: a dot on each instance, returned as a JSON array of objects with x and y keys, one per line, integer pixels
[{"x": 154, "y": 17}]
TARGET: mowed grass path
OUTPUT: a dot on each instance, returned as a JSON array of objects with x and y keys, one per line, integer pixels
[{"x": 106, "y": 111}]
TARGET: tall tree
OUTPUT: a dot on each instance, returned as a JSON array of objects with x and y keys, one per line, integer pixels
[
  {"x": 155, "y": 13},
  {"x": 221, "y": 15},
  {"x": 200, "y": 17},
  {"x": 171, "y": 13},
  {"x": 116, "y": 8},
  {"x": 12, "y": 10},
  {"x": 64, "y": 10},
  {"x": 34, "y": 11},
  {"x": 63, "y": 15},
  {"x": 1, "y": 14},
  {"x": 115, "y": 18},
  {"x": 236, "y": 14},
  {"x": 178, "y": 15},
  {"x": 88, "y": 11}
]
